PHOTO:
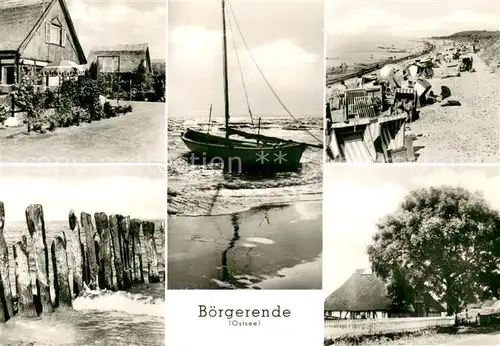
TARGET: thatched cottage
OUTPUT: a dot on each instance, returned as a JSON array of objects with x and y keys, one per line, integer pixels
[
  {"x": 365, "y": 295},
  {"x": 125, "y": 59},
  {"x": 34, "y": 33}
]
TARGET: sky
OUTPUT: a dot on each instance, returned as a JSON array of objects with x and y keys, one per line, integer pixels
[
  {"x": 113, "y": 22},
  {"x": 408, "y": 18},
  {"x": 137, "y": 191},
  {"x": 285, "y": 37},
  {"x": 355, "y": 198}
]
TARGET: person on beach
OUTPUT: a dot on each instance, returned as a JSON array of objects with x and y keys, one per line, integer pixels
[
  {"x": 359, "y": 81},
  {"x": 342, "y": 89}
]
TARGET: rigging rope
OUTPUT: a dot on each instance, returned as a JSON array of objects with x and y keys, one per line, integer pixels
[
  {"x": 264, "y": 77},
  {"x": 241, "y": 71}
]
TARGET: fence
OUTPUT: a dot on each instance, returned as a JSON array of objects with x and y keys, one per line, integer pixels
[
  {"x": 116, "y": 254},
  {"x": 338, "y": 328}
]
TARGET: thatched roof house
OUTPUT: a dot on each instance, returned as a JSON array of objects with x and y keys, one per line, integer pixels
[
  {"x": 34, "y": 33},
  {"x": 123, "y": 59},
  {"x": 365, "y": 294},
  {"x": 159, "y": 66}
]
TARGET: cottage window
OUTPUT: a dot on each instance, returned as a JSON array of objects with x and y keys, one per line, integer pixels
[
  {"x": 8, "y": 75},
  {"x": 54, "y": 33}
]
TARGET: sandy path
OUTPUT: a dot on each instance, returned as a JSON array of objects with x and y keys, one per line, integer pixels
[
  {"x": 462, "y": 134},
  {"x": 487, "y": 339}
]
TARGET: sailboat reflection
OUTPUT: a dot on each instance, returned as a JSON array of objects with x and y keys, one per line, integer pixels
[{"x": 226, "y": 276}]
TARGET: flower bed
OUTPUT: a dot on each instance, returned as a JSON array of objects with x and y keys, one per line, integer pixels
[{"x": 76, "y": 101}]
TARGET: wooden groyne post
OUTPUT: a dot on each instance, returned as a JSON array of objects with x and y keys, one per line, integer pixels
[
  {"x": 137, "y": 249},
  {"x": 113, "y": 255},
  {"x": 5, "y": 289},
  {"x": 105, "y": 257},
  {"x": 61, "y": 272},
  {"x": 90, "y": 250},
  {"x": 36, "y": 228},
  {"x": 148, "y": 229},
  {"x": 25, "y": 303}
]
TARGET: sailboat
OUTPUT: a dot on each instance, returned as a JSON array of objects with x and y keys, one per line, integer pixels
[{"x": 256, "y": 149}]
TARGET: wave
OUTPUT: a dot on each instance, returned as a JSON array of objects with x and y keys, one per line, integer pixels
[{"x": 131, "y": 303}]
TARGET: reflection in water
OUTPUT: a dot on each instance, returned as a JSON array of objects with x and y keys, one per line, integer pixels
[
  {"x": 236, "y": 228},
  {"x": 241, "y": 250}
]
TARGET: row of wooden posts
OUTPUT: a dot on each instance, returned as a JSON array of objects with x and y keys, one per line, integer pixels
[{"x": 114, "y": 255}]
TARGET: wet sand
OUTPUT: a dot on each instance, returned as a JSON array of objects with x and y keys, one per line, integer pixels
[{"x": 270, "y": 247}]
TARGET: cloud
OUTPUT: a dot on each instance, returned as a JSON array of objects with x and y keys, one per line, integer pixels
[
  {"x": 195, "y": 60},
  {"x": 407, "y": 19},
  {"x": 141, "y": 198},
  {"x": 111, "y": 23},
  {"x": 473, "y": 180},
  {"x": 283, "y": 54}
]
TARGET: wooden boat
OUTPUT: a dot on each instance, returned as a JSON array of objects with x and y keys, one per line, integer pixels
[
  {"x": 258, "y": 151},
  {"x": 248, "y": 153}
]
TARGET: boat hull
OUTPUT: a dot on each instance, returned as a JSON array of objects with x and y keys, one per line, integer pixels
[{"x": 215, "y": 149}]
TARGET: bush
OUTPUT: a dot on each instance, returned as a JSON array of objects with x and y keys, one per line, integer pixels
[
  {"x": 4, "y": 113},
  {"x": 109, "y": 111},
  {"x": 113, "y": 111},
  {"x": 31, "y": 100}
]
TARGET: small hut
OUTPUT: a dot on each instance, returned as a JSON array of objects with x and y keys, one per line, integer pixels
[{"x": 364, "y": 295}]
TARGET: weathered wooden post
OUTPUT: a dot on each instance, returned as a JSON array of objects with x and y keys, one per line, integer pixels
[
  {"x": 61, "y": 272},
  {"x": 4, "y": 316},
  {"x": 148, "y": 229},
  {"x": 75, "y": 256},
  {"x": 36, "y": 228},
  {"x": 75, "y": 225},
  {"x": 117, "y": 253},
  {"x": 105, "y": 248},
  {"x": 25, "y": 304},
  {"x": 6, "y": 294},
  {"x": 124, "y": 231},
  {"x": 135, "y": 230},
  {"x": 131, "y": 253},
  {"x": 163, "y": 259},
  {"x": 93, "y": 268}
]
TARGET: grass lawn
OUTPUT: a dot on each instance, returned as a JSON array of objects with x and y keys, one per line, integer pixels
[
  {"x": 138, "y": 136},
  {"x": 462, "y": 336}
]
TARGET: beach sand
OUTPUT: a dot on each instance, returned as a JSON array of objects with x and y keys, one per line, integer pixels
[
  {"x": 274, "y": 247},
  {"x": 469, "y": 133},
  {"x": 461, "y": 134}
]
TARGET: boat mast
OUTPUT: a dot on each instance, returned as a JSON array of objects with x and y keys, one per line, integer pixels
[{"x": 226, "y": 87}]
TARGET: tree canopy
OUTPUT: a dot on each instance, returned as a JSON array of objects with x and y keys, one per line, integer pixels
[{"x": 441, "y": 240}]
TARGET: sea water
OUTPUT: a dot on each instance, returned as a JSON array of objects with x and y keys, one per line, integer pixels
[
  {"x": 239, "y": 231},
  {"x": 365, "y": 50},
  {"x": 206, "y": 190},
  {"x": 98, "y": 317}
]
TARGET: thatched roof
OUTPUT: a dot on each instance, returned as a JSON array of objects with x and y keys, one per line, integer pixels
[
  {"x": 131, "y": 56},
  {"x": 364, "y": 291},
  {"x": 159, "y": 66},
  {"x": 489, "y": 303},
  {"x": 361, "y": 292},
  {"x": 19, "y": 20}
]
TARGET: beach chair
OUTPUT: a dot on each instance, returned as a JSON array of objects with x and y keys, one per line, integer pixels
[
  {"x": 350, "y": 108},
  {"x": 363, "y": 107},
  {"x": 409, "y": 97}
]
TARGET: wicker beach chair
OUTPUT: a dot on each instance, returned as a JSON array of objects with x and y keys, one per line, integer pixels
[
  {"x": 350, "y": 108},
  {"x": 405, "y": 99}
]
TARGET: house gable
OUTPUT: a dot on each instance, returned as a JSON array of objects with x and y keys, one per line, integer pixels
[
  {"x": 129, "y": 57},
  {"x": 53, "y": 38}
]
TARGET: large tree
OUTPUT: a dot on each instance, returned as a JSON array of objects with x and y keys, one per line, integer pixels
[{"x": 444, "y": 241}]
